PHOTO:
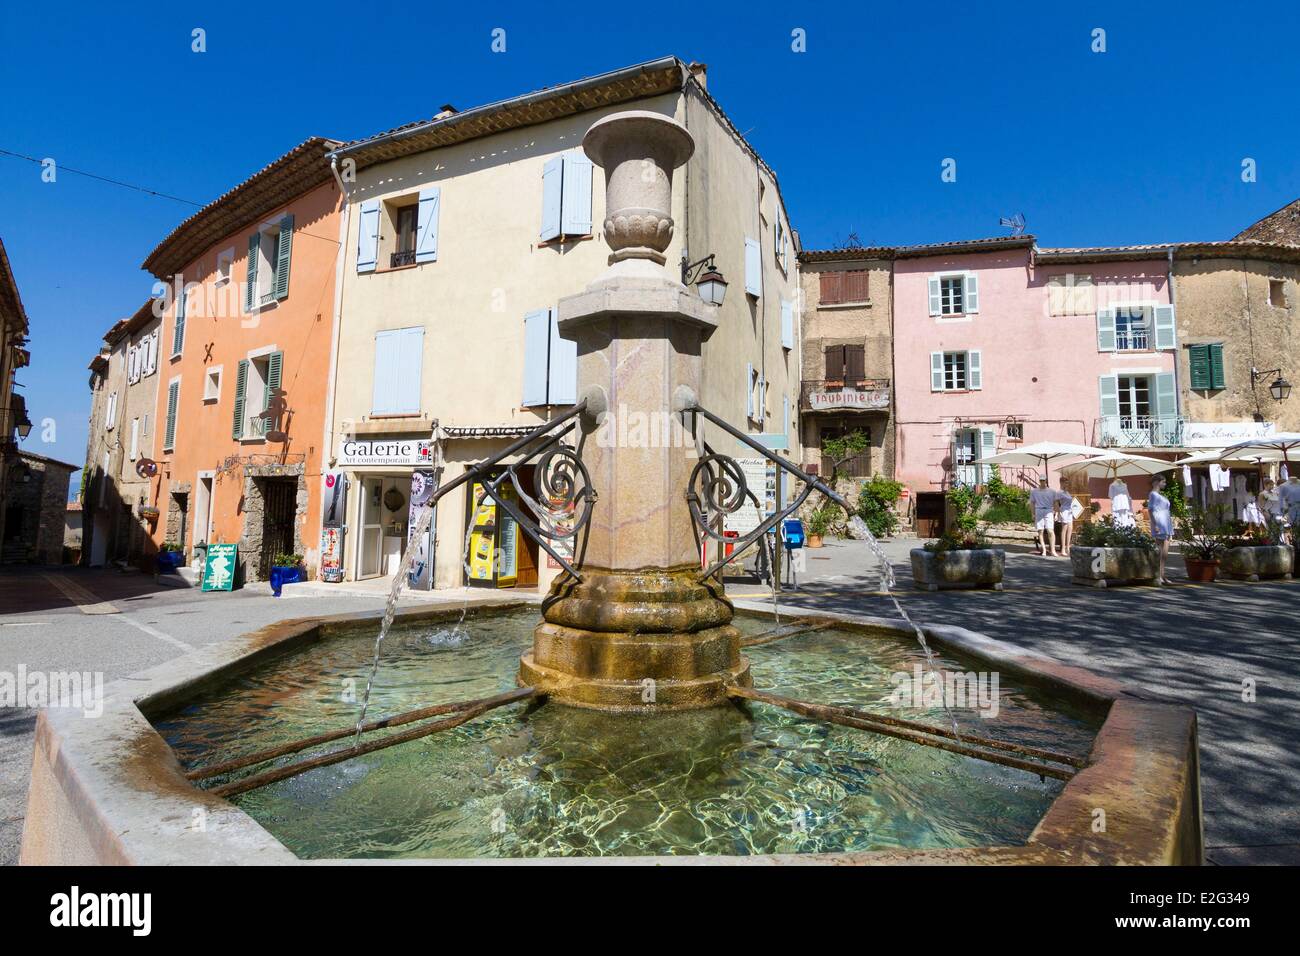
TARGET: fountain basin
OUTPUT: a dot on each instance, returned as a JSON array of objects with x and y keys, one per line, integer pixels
[{"x": 111, "y": 790}]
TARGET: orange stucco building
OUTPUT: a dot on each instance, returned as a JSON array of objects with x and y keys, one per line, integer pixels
[{"x": 244, "y": 364}]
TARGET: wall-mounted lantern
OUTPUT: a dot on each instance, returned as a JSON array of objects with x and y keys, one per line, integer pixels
[
  {"x": 1280, "y": 389},
  {"x": 712, "y": 287}
]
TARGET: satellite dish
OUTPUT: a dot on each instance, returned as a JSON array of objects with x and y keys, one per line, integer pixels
[
  {"x": 146, "y": 467},
  {"x": 1016, "y": 223}
]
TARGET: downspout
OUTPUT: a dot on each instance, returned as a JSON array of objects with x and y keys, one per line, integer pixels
[
  {"x": 327, "y": 442},
  {"x": 1180, "y": 407}
]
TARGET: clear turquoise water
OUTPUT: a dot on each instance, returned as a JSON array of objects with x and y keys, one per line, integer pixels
[{"x": 546, "y": 780}]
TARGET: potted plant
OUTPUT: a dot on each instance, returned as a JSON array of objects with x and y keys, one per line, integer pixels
[
  {"x": 170, "y": 557},
  {"x": 819, "y": 523},
  {"x": 285, "y": 569},
  {"x": 958, "y": 559},
  {"x": 1106, "y": 553},
  {"x": 1202, "y": 538},
  {"x": 1256, "y": 551}
]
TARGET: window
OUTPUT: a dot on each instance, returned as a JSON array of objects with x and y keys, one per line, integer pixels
[
  {"x": 845, "y": 363},
  {"x": 1132, "y": 329},
  {"x": 1135, "y": 327},
  {"x": 550, "y": 362},
  {"x": 1139, "y": 410},
  {"x": 968, "y": 446},
  {"x": 955, "y": 371},
  {"x": 270, "y": 250},
  {"x": 1015, "y": 431},
  {"x": 859, "y": 466},
  {"x": 399, "y": 366},
  {"x": 753, "y": 394},
  {"x": 955, "y": 293},
  {"x": 212, "y": 385},
  {"x": 1277, "y": 293},
  {"x": 839, "y": 288},
  {"x": 1205, "y": 363},
  {"x": 1070, "y": 295},
  {"x": 406, "y": 218},
  {"x": 779, "y": 243},
  {"x": 566, "y": 196},
  {"x": 173, "y": 399},
  {"x": 225, "y": 259},
  {"x": 256, "y": 382}
]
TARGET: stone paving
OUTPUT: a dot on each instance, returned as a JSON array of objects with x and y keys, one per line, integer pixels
[{"x": 1187, "y": 644}]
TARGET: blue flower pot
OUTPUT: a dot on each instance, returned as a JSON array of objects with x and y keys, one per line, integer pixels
[
  {"x": 169, "y": 561},
  {"x": 280, "y": 576}
]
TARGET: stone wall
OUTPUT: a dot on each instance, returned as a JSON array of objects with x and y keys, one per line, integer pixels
[
  {"x": 39, "y": 486},
  {"x": 254, "y": 510}
]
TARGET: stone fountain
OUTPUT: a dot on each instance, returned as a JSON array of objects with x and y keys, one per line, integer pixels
[{"x": 640, "y": 631}]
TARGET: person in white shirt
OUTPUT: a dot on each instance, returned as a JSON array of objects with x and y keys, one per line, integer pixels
[
  {"x": 1046, "y": 504},
  {"x": 1289, "y": 494},
  {"x": 1066, "y": 515},
  {"x": 1121, "y": 505}
]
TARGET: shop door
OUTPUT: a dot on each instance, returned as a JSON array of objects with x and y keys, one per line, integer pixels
[
  {"x": 279, "y": 504},
  {"x": 499, "y": 552},
  {"x": 370, "y": 546}
]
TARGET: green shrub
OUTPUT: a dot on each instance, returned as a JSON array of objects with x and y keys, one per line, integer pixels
[
  {"x": 957, "y": 541},
  {"x": 1008, "y": 514},
  {"x": 820, "y": 521},
  {"x": 1106, "y": 534},
  {"x": 286, "y": 560},
  {"x": 965, "y": 501},
  {"x": 1177, "y": 495},
  {"x": 876, "y": 505}
]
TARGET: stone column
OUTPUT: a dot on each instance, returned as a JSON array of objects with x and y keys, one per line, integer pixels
[{"x": 640, "y": 632}]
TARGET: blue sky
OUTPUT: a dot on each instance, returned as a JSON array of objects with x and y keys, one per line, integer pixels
[{"x": 1142, "y": 143}]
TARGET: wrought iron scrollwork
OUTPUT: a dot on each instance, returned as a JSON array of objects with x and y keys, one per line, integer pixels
[{"x": 716, "y": 489}]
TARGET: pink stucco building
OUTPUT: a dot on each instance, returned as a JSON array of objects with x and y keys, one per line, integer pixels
[{"x": 998, "y": 343}]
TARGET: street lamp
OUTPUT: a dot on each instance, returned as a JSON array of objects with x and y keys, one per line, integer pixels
[
  {"x": 713, "y": 288},
  {"x": 24, "y": 426},
  {"x": 1280, "y": 389}
]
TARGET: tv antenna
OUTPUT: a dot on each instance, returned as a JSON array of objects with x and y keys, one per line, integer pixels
[{"x": 1016, "y": 223}]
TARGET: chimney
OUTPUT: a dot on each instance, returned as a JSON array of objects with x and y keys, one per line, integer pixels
[
  {"x": 446, "y": 110},
  {"x": 701, "y": 73}
]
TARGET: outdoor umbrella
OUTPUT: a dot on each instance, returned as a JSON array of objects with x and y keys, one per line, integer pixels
[
  {"x": 1040, "y": 453},
  {"x": 1284, "y": 444},
  {"x": 1118, "y": 464}
]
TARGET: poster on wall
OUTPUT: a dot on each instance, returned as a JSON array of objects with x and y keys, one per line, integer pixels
[
  {"x": 333, "y": 499},
  {"x": 219, "y": 567},
  {"x": 761, "y": 479},
  {"x": 331, "y": 555},
  {"x": 423, "y": 485},
  {"x": 558, "y": 518}
]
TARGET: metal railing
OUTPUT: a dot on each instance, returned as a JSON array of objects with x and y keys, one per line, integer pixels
[
  {"x": 1135, "y": 340},
  {"x": 1139, "y": 431},
  {"x": 849, "y": 395},
  {"x": 403, "y": 258}
]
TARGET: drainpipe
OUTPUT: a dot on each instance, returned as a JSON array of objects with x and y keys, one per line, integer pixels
[
  {"x": 1173, "y": 302},
  {"x": 327, "y": 442}
]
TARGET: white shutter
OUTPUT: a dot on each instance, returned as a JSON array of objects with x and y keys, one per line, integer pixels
[
  {"x": 1106, "y": 331},
  {"x": 1166, "y": 332},
  {"x": 562, "y": 375},
  {"x": 552, "y": 184},
  {"x": 368, "y": 236},
  {"x": 749, "y": 390},
  {"x": 936, "y": 298},
  {"x": 974, "y": 372},
  {"x": 537, "y": 340},
  {"x": 135, "y": 438},
  {"x": 988, "y": 448},
  {"x": 1109, "y": 386},
  {"x": 426, "y": 229},
  {"x": 575, "y": 217},
  {"x": 753, "y": 268},
  {"x": 410, "y": 365},
  {"x": 936, "y": 371},
  {"x": 971, "y": 298},
  {"x": 787, "y": 324},
  {"x": 384, "y": 395}
]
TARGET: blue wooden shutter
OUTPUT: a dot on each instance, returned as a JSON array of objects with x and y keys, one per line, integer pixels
[
  {"x": 576, "y": 215},
  {"x": 241, "y": 390},
  {"x": 283, "y": 252},
  {"x": 785, "y": 416},
  {"x": 1166, "y": 334},
  {"x": 936, "y": 371},
  {"x": 753, "y": 268},
  {"x": 1109, "y": 385},
  {"x": 787, "y": 324},
  {"x": 563, "y": 373},
  {"x": 537, "y": 340},
  {"x": 368, "y": 236},
  {"x": 384, "y": 394},
  {"x": 552, "y": 184},
  {"x": 1215, "y": 362},
  {"x": 988, "y": 448},
  {"x": 971, "y": 298},
  {"x": 178, "y": 332},
  {"x": 173, "y": 400},
  {"x": 936, "y": 296},
  {"x": 1166, "y": 396},
  {"x": 1198, "y": 360},
  {"x": 974, "y": 370},
  {"x": 426, "y": 235},
  {"x": 1106, "y": 331},
  {"x": 410, "y": 368},
  {"x": 250, "y": 271}
]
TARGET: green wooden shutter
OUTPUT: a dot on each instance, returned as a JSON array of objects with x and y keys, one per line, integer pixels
[
  {"x": 1198, "y": 360},
  {"x": 250, "y": 274},
  {"x": 1217, "y": 379},
  {"x": 173, "y": 399},
  {"x": 284, "y": 250},
  {"x": 274, "y": 366},
  {"x": 178, "y": 333},
  {"x": 241, "y": 386}
]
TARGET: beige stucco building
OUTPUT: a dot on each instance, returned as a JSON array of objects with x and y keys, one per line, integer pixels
[
  {"x": 848, "y": 355},
  {"x": 461, "y": 236},
  {"x": 124, "y": 391}
]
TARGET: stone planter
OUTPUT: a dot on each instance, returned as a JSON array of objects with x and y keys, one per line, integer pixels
[
  {"x": 1103, "y": 567},
  {"x": 979, "y": 568},
  {"x": 1253, "y": 563}
]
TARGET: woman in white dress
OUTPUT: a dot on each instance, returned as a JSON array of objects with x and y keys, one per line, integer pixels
[
  {"x": 1162, "y": 522},
  {"x": 1121, "y": 505}
]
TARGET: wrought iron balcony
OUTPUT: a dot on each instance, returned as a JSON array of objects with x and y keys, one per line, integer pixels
[
  {"x": 845, "y": 395},
  {"x": 402, "y": 258},
  {"x": 1139, "y": 431}
]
